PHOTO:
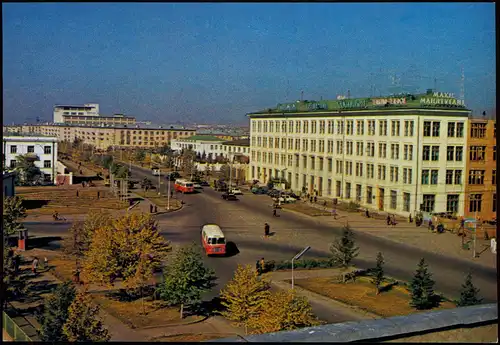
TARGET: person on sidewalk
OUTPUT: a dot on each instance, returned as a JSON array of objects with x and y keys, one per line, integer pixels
[
  {"x": 34, "y": 265},
  {"x": 334, "y": 213},
  {"x": 388, "y": 220},
  {"x": 274, "y": 213},
  {"x": 262, "y": 265},
  {"x": 266, "y": 230},
  {"x": 150, "y": 208},
  {"x": 46, "y": 263}
]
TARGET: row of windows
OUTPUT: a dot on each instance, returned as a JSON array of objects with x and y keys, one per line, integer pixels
[
  {"x": 431, "y": 128},
  {"x": 478, "y": 153},
  {"x": 46, "y": 164},
  {"x": 47, "y": 150},
  {"x": 476, "y": 202},
  {"x": 477, "y": 177}
]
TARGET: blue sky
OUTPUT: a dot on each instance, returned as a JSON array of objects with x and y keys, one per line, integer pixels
[{"x": 169, "y": 62}]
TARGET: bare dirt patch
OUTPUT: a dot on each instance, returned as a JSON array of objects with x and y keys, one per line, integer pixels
[{"x": 361, "y": 293}]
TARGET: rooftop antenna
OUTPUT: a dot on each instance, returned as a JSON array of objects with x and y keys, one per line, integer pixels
[
  {"x": 462, "y": 85},
  {"x": 301, "y": 96}
]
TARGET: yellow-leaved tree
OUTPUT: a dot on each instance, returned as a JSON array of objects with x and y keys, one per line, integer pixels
[
  {"x": 130, "y": 248},
  {"x": 245, "y": 295},
  {"x": 83, "y": 323},
  {"x": 284, "y": 310}
]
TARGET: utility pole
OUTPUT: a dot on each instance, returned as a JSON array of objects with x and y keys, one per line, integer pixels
[
  {"x": 168, "y": 193},
  {"x": 475, "y": 233}
]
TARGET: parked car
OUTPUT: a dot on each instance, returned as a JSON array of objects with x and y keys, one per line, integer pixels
[
  {"x": 259, "y": 190},
  {"x": 229, "y": 197},
  {"x": 197, "y": 186},
  {"x": 285, "y": 199},
  {"x": 236, "y": 191},
  {"x": 204, "y": 184}
]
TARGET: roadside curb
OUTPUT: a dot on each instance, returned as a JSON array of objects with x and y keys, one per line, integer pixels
[
  {"x": 357, "y": 310},
  {"x": 298, "y": 212},
  {"x": 202, "y": 319}
]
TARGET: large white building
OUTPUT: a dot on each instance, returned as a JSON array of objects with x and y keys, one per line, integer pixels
[
  {"x": 399, "y": 154},
  {"x": 207, "y": 145},
  {"x": 45, "y": 148},
  {"x": 60, "y": 111}
]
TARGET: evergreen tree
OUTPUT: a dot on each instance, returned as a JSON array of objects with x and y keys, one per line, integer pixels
[
  {"x": 55, "y": 313},
  {"x": 469, "y": 293},
  {"x": 13, "y": 284},
  {"x": 83, "y": 323},
  {"x": 185, "y": 278},
  {"x": 422, "y": 289},
  {"x": 244, "y": 295},
  {"x": 283, "y": 310},
  {"x": 344, "y": 249},
  {"x": 378, "y": 272}
]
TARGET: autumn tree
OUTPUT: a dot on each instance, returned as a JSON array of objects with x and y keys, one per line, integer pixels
[
  {"x": 185, "y": 278},
  {"x": 129, "y": 248},
  {"x": 245, "y": 295},
  {"x": 13, "y": 213},
  {"x": 378, "y": 272},
  {"x": 422, "y": 289},
  {"x": 78, "y": 243},
  {"x": 55, "y": 313},
  {"x": 139, "y": 155},
  {"x": 469, "y": 293},
  {"x": 83, "y": 323},
  {"x": 283, "y": 310},
  {"x": 187, "y": 159},
  {"x": 26, "y": 168},
  {"x": 344, "y": 249}
]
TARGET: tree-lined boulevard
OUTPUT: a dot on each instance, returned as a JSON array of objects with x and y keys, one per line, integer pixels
[{"x": 243, "y": 224}]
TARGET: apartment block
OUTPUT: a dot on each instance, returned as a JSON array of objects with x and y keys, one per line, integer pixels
[
  {"x": 391, "y": 154},
  {"x": 481, "y": 174}
]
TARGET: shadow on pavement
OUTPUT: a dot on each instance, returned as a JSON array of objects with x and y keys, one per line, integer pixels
[
  {"x": 231, "y": 249},
  {"x": 46, "y": 242}
]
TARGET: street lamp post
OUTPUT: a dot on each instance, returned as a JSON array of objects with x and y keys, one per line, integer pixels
[
  {"x": 168, "y": 193},
  {"x": 296, "y": 257}
]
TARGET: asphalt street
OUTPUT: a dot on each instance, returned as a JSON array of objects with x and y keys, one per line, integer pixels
[{"x": 243, "y": 223}]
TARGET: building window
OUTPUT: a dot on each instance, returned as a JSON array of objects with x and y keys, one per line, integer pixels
[
  {"x": 478, "y": 130},
  {"x": 13, "y": 149},
  {"x": 450, "y": 153},
  {"x": 369, "y": 195},
  {"x": 449, "y": 176},
  {"x": 358, "y": 193},
  {"x": 47, "y": 164},
  {"x": 435, "y": 129},
  {"x": 406, "y": 202},
  {"x": 459, "y": 153},
  {"x": 47, "y": 150},
  {"x": 429, "y": 202},
  {"x": 435, "y": 153},
  {"x": 477, "y": 153},
  {"x": 458, "y": 176},
  {"x": 495, "y": 153},
  {"x": 425, "y": 176},
  {"x": 476, "y": 177},
  {"x": 460, "y": 129},
  {"x": 494, "y": 177},
  {"x": 395, "y": 128},
  {"x": 434, "y": 176},
  {"x": 13, "y": 163},
  {"x": 451, "y": 129},
  {"x": 427, "y": 128},
  {"x": 394, "y": 199},
  {"x": 426, "y": 153},
  {"x": 475, "y": 202},
  {"x": 348, "y": 190},
  {"x": 31, "y": 149},
  {"x": 452, "y": 203},
  {"x": 494, "y": 208},
  {"x": 382, "y": 127}
]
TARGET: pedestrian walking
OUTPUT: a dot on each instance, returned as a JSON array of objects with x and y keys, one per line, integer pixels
[
  {"x": 315, "y": 199},
  {"x": 266, "y": 230},
  {"x": 274, "y": 213},
  {"x": 34, "y": 265},
  {"x": 262, "y": 265},
  {"x": 150, "y": 208},
  {"x": 83, "y": 184},
  {"x": 257, "y": 267},
  {"x": 388, "y": 220},
  {"x": 334, "y": 213},
  {"x": 17, "y": 262},
  {"x": 367, "y": 213},
  {"x": 156, "y": 209},
  {"x": 46, "y": 263}
]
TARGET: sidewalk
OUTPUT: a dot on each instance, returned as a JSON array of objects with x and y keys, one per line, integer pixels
[{"x": 409, "y": 234}]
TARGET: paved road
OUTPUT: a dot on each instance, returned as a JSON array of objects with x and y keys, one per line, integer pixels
[{"x": 242, "y": 222}]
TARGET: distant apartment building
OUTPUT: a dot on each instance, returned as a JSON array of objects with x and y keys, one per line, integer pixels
[
  {"x": 481, "y": 175},
  {"x": 104, "y": 137},
  {"x": 84, "y": 120},
  {"x": 399, "y": 154},
  {"x": 91, "y": 109},
  {"x": 43, "y": 148},
  {"x": 239, "y": 149},
  {"x": 204, "y": 145}
]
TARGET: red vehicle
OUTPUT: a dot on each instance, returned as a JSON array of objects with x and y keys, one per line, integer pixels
[
  {"x": 213, "y": 240},
  {"x": 184, "y": 186}
]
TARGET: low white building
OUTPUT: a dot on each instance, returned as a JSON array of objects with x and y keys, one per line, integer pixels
[
  {"x": 237, "y": 149},
  {"x": 201, "y": 144},
  {"x": 43, "y": 147},
  {"x": 90, "y": 109}
]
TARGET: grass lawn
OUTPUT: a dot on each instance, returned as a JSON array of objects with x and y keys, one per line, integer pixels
[
  {"x": 302, "y": 207},
  {"x": 190, "y": 337},
  {"x": 175, "y": 204},
  {"x": 362, "y": 294},
  {"x": 46, "y": 200},
  {"x": 131, "y": 312}
]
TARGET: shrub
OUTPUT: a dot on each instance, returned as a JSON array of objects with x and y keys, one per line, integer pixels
[
  {"x": 304, "y": 264},
  {"x": 352, "y": 207}
]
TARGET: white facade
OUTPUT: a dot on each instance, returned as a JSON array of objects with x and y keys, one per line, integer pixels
[
  {"x": 43, "y": 147},
  {"x": 353, "y": 158},
  {"x": 91, "y": 109},
  {"x": 236, "y": 149},
  {"x": 200, "y": 145}
]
